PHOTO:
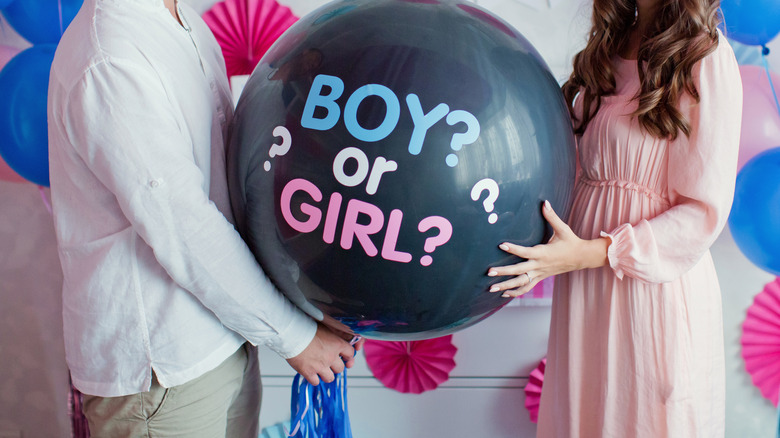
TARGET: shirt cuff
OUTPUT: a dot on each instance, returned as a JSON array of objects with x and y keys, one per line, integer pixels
[
  {"x": 616, "y": 248},
  {"x": 292, "y": 340}
]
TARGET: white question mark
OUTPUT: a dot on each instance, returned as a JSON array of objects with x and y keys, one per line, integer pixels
[
  {"x": 492, "y": 187},
  {"x": 462, "y": 138},
  {"x": 433, "y": 242},
  {"x": 277, "y": 150}
]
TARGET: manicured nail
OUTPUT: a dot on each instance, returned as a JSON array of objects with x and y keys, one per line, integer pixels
[
  {"x": 505, "y": 296},
  {"x": 504, "y": 247},
  {"x": 547, "y": 205},
  {"x": 494, "y": 288},
  {"x": 492, "y": 273}
]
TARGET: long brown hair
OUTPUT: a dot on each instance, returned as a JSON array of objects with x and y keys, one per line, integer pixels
[{"x": 683, "y": 32}]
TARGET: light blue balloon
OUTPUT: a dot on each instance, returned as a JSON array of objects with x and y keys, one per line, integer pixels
[
  {"x": 41, "y": 21},
  {"x": 745, "y": 54},
  {"x": 755, "y": 216},
  {"x": 752, "y": 22},
  {"x": 24, "y": 84}
]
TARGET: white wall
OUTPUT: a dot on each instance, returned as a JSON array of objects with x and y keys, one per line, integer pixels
[
  {"x": 33, "y": 379},
  {"x": 33, "y": 376}
]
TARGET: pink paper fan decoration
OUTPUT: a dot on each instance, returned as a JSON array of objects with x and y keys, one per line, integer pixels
[
  {"x": 411, "y": 366},
  {"x": 245, "y": 29},
  {"x": 761, "y": 341},
  {"x": 533, "y": 390}
]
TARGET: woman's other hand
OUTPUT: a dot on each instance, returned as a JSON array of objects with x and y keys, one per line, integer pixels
[{"x": 565, "y": 252}]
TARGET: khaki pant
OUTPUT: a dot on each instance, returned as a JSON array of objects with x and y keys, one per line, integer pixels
[{"x": 223, "y": 403}]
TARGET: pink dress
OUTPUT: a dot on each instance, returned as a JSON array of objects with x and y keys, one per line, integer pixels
[{"x": 636, "y": 347}]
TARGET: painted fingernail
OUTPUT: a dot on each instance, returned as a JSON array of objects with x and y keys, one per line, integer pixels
[
  {"x": 504, "y": 246},
  {"x": 492, "y": 273},
  {"x": 494, "y": 288},
  {"x": 547, "y": 205},
  {"x": 504, "y": 295}
]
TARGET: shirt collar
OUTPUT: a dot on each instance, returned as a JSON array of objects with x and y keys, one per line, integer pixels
[{"x": 152, "y": 5}]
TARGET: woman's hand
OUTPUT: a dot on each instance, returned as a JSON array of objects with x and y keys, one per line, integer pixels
[{"x": 565, "y": 252}]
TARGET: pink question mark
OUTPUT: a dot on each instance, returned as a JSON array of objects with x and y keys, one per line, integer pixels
[{"x": 433, "y": 242}]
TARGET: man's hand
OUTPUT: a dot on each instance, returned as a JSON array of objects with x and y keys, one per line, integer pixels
[{"x": 327, "y": 354}]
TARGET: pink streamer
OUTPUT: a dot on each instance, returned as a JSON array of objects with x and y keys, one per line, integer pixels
[
  {"x": 79, "y": 424},
  {"x": 59, "y": 8},
  {"x": 45, "y": 200},
  {"x": 543, "y": 290}
]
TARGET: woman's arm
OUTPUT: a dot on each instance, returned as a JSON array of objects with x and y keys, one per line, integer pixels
[
  {"x": 701, "y": 171},
  {"x": 565, "y": 252}
]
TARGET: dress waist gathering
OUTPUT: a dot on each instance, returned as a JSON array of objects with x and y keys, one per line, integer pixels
[{"x": 627, "y": 185}]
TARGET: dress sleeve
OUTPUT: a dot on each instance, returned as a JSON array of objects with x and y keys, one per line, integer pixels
[
  {"x": 702, "y": 172},
  {"x": 126, "y": 132}
]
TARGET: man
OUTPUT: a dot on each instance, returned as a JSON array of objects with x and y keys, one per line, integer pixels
[{"x": 160, "y": 293}]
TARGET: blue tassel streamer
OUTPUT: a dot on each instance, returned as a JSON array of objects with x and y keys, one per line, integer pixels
[
  {"x": 778, "y": 422},
  {"x": 278, "y": 430},
  {"x": 320, "y": 411}
]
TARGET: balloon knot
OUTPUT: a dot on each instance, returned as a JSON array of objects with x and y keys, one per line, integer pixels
[{"x": 764, "y": 50}]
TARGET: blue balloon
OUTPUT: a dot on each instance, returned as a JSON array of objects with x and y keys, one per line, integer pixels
[
  {"x": 41, "y": 21},
  {"x": 752, "y": 22},
  {"x": 747, "y": 55},
  {"x": 755, "y": 216},
  {"x": 24, "y": 84},
  {"x": 5, "y": 3}
]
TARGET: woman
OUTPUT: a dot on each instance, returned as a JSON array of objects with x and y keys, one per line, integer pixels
[{"x": 636, "y": 339}]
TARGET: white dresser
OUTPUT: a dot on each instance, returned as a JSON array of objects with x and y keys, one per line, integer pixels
[{"x": 484, "y": 396}]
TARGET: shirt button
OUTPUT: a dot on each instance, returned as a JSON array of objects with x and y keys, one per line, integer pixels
[{"x": 153, "y": 183}]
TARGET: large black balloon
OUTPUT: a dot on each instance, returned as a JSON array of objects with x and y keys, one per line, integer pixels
[{"x": 343, "y": 89}]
